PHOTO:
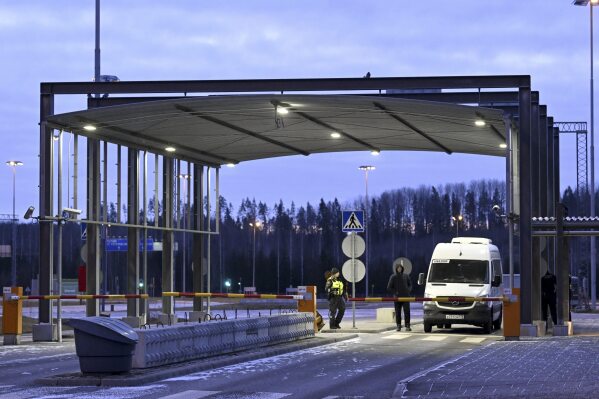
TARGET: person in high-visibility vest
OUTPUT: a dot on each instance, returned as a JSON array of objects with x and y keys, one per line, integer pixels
[{"x": 337, "y": 295}]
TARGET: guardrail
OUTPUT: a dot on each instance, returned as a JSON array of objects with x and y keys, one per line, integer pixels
[
  {"x": 226, "y": 295},
  {"x": 434, "y": 299}
]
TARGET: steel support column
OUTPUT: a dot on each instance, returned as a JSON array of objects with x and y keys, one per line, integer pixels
[
  {"x": 198, "y": 239},
  {"x": 132, "y": 232},
  {"x": 167, "y": 236},
  {"x": 563, "y": 268},
  {"x": 524, "y": 140},
  {"x": 45, "y": 205},
  {"x": 535, "y": 210},
  {"x": 543, "y": 182},
  {"x": 93, "y": 260},
  {"x": 550, "y": 191}
]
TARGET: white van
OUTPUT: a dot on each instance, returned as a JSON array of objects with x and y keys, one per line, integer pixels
[{"x": 467, "y": 267}]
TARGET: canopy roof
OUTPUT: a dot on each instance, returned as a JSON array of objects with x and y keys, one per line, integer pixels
[{"x": 216, "y": 130}]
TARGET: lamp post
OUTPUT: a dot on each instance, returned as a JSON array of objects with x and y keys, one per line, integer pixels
[
  {"x": 13, "y": 267},
  {"x": 255, "y": 225},
  {"x": 366, "y": 169},
  {"x": 592, "y": 188},
  {"x": 457, "y": 219}
]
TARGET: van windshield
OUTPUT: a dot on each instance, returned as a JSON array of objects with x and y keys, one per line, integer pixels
[{"x": 459, "y": 271}]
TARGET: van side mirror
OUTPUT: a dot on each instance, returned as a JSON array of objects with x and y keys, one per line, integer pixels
[
  {"x": 496, "y": 281},
  {"x": 421, "y": 278}
]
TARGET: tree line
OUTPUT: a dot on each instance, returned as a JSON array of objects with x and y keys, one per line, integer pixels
[{"x": 295, "y": 244}]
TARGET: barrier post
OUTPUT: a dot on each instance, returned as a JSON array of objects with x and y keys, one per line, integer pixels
[
  {"x": 308, "y": 304},
  {"x": 12, "y": 318},
  {"x": 511, "y": 315}
]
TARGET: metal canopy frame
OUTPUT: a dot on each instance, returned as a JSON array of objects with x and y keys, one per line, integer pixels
[{"x": 511, "y": 93}]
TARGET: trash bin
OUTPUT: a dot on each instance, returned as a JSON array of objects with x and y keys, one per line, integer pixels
[{"x": 104, "y": 345}]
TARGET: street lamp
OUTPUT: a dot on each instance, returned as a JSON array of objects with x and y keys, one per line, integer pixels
[
  {"x": 228, "y": 285},
  {"x": 366, "y": 169},
  {"x": 592, "y": 190},
  {"x": 13, "y": 267},
  {"x": 457, "y": 220},
  {"x": 255, "y": 225}
]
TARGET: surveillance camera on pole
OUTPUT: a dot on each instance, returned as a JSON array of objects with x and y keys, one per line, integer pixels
[{"x": 70, "y": 213}]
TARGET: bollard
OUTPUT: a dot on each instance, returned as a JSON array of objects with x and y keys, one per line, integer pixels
[
  {"x": 511, "y": 316},
  {"x": 12, "y": 319}
]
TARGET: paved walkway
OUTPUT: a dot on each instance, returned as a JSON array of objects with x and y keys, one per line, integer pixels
[{"x": 547, "y": 367}]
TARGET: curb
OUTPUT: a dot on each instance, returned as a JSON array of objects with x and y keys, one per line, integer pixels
[{"x": 144, "y": 376}]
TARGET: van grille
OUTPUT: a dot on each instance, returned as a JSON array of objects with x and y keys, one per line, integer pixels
[{"x": 455, "y": 304}]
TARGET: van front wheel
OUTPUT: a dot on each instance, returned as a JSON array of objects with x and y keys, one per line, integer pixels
[
  {"x": 428, "y": 327},
  {"x": 497, "y": 323},
  {"x": 488, "y": 325}
]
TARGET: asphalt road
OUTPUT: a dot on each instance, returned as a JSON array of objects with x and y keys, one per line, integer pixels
[{"x": 366, "y": 367}]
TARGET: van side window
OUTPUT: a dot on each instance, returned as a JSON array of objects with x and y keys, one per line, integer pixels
[{"x": 497, "y": 269}]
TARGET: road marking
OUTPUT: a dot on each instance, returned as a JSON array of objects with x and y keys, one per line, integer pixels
[
  {"x": 192, "y": 394},
  {"x": 472, "y": 340},
  {"x": 398, "y": 336},
  {"x": 435, "y": 338}
]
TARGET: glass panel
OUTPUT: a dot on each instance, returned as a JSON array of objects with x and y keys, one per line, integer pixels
[{"x": 460, "y": 271}]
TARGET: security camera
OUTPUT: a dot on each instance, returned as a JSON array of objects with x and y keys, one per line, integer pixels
[
  {"x": 29, "y": 213},
  {"x": 70, "y": 213},
  {"x": 496, "y": 209}
]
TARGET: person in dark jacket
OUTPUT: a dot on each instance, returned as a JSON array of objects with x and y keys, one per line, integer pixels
[
  {"x": 400, "y": 286},
  {"x": 337, "y": 295},
  {"x": 549, "y": 297}
]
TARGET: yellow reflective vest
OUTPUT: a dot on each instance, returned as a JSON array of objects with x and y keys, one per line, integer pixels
[{"x": 336, "y": 287}]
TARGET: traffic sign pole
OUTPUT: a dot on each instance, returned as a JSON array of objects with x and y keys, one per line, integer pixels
[{"x": 353, "y": 304}]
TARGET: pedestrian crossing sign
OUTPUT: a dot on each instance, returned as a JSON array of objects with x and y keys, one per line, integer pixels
[{"x": 352, "y": 221}]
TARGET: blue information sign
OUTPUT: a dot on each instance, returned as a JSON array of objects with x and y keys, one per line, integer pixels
[
  {"x": 352, "y": 221},
  {"x": 120, "y": 244}
]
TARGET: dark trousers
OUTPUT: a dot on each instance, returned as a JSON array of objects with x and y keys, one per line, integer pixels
[
  {"x": 336, "y": 310},
  {"x": 406, "y": 311},
  {"x": 549, "y": 300}
]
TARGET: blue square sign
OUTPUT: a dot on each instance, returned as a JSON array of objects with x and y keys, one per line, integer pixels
[{"x": 352, "y": 221}]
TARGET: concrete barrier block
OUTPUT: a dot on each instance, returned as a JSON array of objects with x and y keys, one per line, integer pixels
[
  {"x": 44, "y": 332},
  {"x": 385, "y": 315}
]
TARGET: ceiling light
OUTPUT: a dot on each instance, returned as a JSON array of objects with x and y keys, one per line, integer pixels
[
  {"x": 89, "y": 128},
  {"x": 375, "y": 152},
  {"x": 335, "y": 135},
  {"x": 170, "y": 149},
  {"x": 502, "y": 145},
  {"x": 230, "y": 165},
  {"x": 282, "y": 111},
  {"x": 479, "y": 122},
  {"x": 55, "y": 138}
]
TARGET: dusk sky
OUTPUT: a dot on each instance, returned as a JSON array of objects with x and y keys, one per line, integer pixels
[{"x": 44, "y": 41}]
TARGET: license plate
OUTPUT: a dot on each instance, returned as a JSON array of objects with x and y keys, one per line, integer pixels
[{"x": 454, "y": 316}]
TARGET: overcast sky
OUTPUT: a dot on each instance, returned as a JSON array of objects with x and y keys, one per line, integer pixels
[{"x": 43, "y": 41}]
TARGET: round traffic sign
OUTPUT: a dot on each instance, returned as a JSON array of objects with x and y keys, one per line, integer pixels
[
  {"x": 353, "y": 246},
  {"x": 405, "y": 262},
  {"x": 348, "y": 268}
]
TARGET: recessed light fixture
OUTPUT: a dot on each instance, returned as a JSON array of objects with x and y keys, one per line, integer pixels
[
  {"x": 89, "y": 128},
  {"x": 502, "y": 145},
  {"x": 479, "y": 122},
  {"x": 170, "y": 149},
  {"x": 55, "y": 138},
  {"x": 282, "y": 111},
  {"x": 230, "y": 165},
  {"x": 335, "y": 135},
  {"x": 375, "y": 152}
]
